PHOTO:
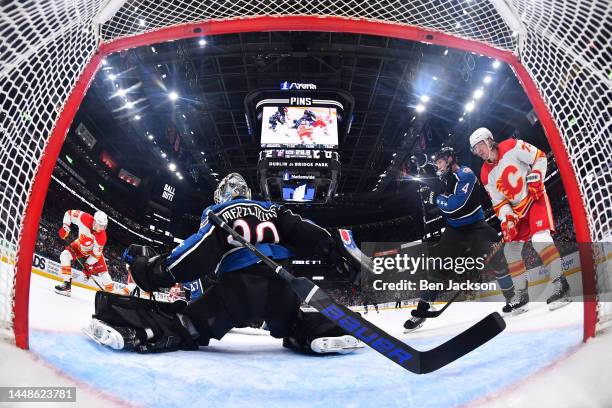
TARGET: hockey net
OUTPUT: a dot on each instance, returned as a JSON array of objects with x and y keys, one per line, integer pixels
[{"x": 50, "y": 51}]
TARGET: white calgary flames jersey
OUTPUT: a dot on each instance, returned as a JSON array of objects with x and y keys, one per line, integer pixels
[
  {"x": 505, "y": 179},
  {"x": 89, "y": 242}
]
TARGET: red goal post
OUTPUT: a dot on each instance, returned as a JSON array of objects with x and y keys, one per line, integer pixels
[{"x": 52, "y": 53}]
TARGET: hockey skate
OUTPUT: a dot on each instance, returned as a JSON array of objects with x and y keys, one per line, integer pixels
[
  {"x": 413, "y": 323},
  {"x": 560, "y": 296},
  {"x": 416, "y": 322},
  {"x": 341, "y": 344},
  {"x": 518, "y": 304},
  {"x": 64, "y": 289},
  {"x": 117, "y": 338}
]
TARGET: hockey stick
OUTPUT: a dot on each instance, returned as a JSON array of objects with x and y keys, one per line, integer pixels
[
  {"x": 418, "y": 362},
  {"x": 435, "y": 313},
  {"x": 495, "y": 248}
]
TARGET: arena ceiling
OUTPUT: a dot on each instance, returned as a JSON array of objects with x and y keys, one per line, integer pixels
[{"x": 130, "y": 107}]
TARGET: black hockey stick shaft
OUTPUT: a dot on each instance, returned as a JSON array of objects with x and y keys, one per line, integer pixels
[
  {"x": 395, "y": 350},
  {"x": 435, "y": 313}
]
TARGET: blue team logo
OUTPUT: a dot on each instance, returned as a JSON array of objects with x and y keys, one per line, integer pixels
[
  {"x": 347, "y": 238},
  {"x": 285, "y": 86},
  {"x": 286, "y": 176}
]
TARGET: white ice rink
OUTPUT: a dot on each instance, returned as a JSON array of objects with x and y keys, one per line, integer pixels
[{"x": 539, "y": 361}]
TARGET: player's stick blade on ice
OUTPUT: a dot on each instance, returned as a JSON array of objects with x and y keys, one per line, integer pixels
[{"x": 434, "y": 313}]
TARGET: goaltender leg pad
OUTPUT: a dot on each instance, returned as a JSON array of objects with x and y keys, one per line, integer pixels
[
  {"x": 157, "y": 324},
  {"x": 308, "y": 327}
]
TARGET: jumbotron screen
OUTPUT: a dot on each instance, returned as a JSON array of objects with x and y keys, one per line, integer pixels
[{"x": 299, "y": 126}]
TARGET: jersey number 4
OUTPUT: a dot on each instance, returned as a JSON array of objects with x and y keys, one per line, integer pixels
[{"x": 260, "y": 232}]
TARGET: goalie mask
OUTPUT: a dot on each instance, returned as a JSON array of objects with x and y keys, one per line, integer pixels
[
  {"x": 232, "y": 186},
  {"x": 445, "y": 154}
]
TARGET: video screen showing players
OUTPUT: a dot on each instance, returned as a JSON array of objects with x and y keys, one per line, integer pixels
[{"x": 299, "y": 126}]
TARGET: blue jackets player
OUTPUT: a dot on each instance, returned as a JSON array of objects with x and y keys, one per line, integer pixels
[
  {"x": 244, "y": 289},
  {"x": 466, "y": 232}
]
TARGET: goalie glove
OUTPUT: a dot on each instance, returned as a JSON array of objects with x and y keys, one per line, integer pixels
[
  {"x": 147, "y": 268},
  {"x": 64, "y": 231},
  {"x": 510, "y": 227},
  {"x": 535, "y": 184}
]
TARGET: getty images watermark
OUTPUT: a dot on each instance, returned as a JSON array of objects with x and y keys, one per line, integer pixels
[{"x": 429, "y": 265}]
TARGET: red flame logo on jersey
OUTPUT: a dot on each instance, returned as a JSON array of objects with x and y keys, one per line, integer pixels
[
  {"x": 504, "y": 185},
  {"x": 86, "y": 242}
]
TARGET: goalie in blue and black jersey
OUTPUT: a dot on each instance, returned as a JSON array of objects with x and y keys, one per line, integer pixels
[
  {"x": 243, "y": 290},
  {"x": 466, "y": 232}
]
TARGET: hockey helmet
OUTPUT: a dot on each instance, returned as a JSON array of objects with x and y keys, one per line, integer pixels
[
  {"x": 232, "y": 186},
  {"x": 445, "y": 153},
  {"x": 480, "y": 135},
  {"x": 101, "y": 219}
]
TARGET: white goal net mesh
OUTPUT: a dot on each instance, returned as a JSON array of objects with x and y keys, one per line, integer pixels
[{"x": 45, "y": 46}]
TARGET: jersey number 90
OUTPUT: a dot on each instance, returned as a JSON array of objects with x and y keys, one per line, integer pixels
[{"x": 243, "y": 228}]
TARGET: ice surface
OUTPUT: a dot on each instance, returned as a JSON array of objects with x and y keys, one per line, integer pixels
[{"x": 538, "y": 359}]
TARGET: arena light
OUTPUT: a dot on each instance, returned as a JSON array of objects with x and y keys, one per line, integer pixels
[
  {"x": 202, "y": 42},
  {"x": 445, "y": 52},
  {"x": 142, "y": 23},
  {"x": 164, "y": 76},
  {"x": 173, "y": 96},
  {"x": 435, "y": 78},
  {"x": 424, "y": 98},
  {"x": 461, "y": 119},
  {"x": 487, "y": 79},
  {"x": 469, "y": 107},
  {"x": 112, "y": 77},
  {"x": 153, "y": 49},
  {"x": 172, "y": 167},
  {"x": 164, "y": 155},
  {"x": 121, "y": 92},
  {"x": 478, "y": 93},
  {"x": 202, "y": 153},
  {"x": 129, "y": 104},
  {"x": 150, "y": 137},
  {"x": 137, "y": 117},
  {"x": 496, "y": 64},
  {"x": 420, "y": 108},
  {"x": 104, "y": 61}
]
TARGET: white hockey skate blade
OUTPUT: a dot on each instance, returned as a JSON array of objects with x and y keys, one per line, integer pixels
[
  {"x": 559, "y": 304},
  {"x": 406, "y": 331},
  {"x": 104, "y": 335},
  {"x": 341, "y": 344},
  {"x": 62, "y": 292}
]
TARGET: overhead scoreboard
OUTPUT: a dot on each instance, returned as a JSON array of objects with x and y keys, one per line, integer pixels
[{"x": 299, "y": 132}]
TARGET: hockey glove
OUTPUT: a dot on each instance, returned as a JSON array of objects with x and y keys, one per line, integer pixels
[
  {"x": 429, "y": 197},
  {"x": 510, "y": 227},
  {"x": 64, "y": 231},
  {"x": 535, "y": 184},
  {"x": 88, "y": 270},
  {"x": 148, "y": 273}
]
